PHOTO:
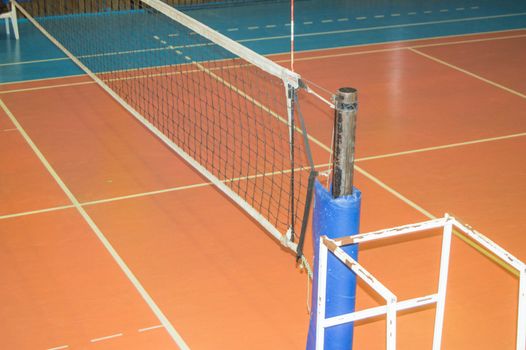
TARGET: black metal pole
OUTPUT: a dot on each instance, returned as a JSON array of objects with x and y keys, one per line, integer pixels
[{"x": 346, "y": 103}]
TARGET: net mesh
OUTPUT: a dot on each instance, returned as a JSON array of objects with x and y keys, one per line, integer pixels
[
  {"x": 229, "y": 115},
  {"x": 58, "y": 7}
]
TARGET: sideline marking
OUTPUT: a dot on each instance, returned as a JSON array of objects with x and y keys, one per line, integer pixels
[
  {"x": 434, "y": 148},
  {"x": 34, "y": 61},
  {"x": 304, "y": 34},
  {"x": 96, "y": 230},
  {"x": 46, "y": 87},
  {"x": 149, "y": 328},
  {"x": 39, "y": 211},
  {"x": 502, "y": 87},
  {"x": 302, "y": 58},
  {"x": 106, "y": 337},
  {"x": 204, "y": 184}
]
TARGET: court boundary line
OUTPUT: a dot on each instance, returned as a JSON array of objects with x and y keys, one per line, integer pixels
[
  {"x": 46, "y": 87},
  {"x": 465, "y": 71},
  {"x": 278, "y": 37},
  {"x": 441, "y": 147},
  {"x": 44, "y": 60},
  {"x": 309, "y": 58},
  {"x": 396, "y": 48},
  {"x": 42, "y": 79},
  {"x": 148, "y": 193},
  {"x": 396, "y": 26},
  {"x": 204, "y": 184},
  {"x": 99, "y": 234}
]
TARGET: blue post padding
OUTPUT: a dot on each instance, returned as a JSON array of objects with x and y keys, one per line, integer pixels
[{"x": 335, "y": 217}]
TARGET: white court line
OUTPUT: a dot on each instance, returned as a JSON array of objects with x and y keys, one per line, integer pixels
[
  {"x": 436, "y": 148},
  {"x": 319, "y": 34},
  {"x": 33, "y": 212},
  {"x": 59, "y": 347},
  {"x": 307, "y": 58},
  {"x": 94, "y": 340},
  {"x": 34, "y": 61},
  {"x": 502, "y": 87},
  {"x": 396, "y": 48},
  {"x": 96, "y": 230},
  {"x": 204, "y": 184},
  {"x": 407, "y": 25},
  {"x": 47, "y": 87},
  {"x": 7, "y": 130},
  {"x": 145, "y": 194},
  {"x": 43, "y": 79},
  {"x": 149, "y": 328},
  {"x": 468, "y": 41}
]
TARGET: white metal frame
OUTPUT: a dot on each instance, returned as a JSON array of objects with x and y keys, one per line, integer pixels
[
  {"x": 11, "y": 16},
  {"x": 447, "y": 223}
]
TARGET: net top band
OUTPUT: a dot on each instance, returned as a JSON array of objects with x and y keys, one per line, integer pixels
[{"x": 271, "y": 67}]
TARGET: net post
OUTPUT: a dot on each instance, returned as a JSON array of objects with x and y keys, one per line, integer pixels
[
  {"x": 346, "y": 105},
  {"x": 337, "y": 214},
  {"x": 292, "y": 35}
]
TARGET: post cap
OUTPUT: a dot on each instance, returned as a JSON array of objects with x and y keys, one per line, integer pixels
[{"x": 347, "y": 95}]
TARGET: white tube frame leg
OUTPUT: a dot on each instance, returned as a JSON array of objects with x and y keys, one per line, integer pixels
[
  {"x": 442, "y": 285},
  {"x": 14, "y": 21},
  {"x": 11, "y": 16}
]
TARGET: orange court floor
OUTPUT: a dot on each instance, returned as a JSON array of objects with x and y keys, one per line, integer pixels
[{"x": 111, "y": 241}]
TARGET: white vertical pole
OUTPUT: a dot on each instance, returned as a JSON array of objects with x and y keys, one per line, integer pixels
[
  {"x": 391, "y": 324},
  {"x": 14, "y": 21},
  {"x": 292, "y": 35},
  {"x": 7, "y": 30},
  {"x": 442, "y": 284},
  {"x": 521, "y": 321},
  {"x": 322, "y": 287},
  {"x": 290, "y": 94}
]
